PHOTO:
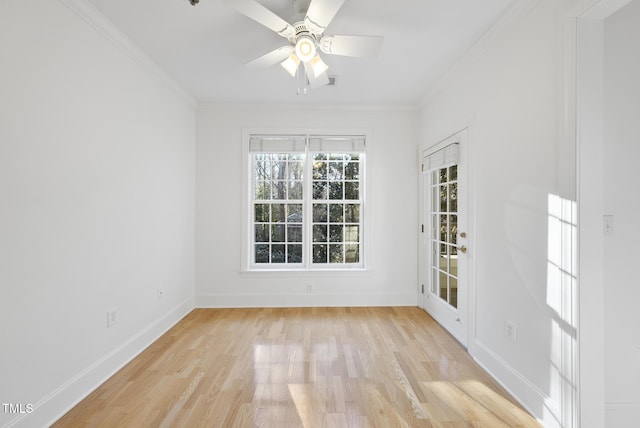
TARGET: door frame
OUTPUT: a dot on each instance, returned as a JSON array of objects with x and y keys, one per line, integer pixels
[
  {"x": 587, "y": 43},
  {"x": 467, "y": 312}
]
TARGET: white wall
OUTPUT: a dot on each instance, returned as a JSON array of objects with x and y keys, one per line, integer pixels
[
  {"x": 391, "y": 276},
  {"x": 508, "y": 92},
  {"x": 96, "y": 207},
  {"x": 621, "y": 199}
]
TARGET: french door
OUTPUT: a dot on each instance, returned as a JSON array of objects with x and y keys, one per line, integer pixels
[{"x": 445, "y": 289}]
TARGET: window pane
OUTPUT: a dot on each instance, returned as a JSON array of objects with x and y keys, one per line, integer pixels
[
  {"x": 335, "y": 171},
  {"x": 277, "y": 253},
  {"x": 319, "y": 233},
  {"x": 279, "y": 167},
  {"x": 295, "y": 190},
  {"x": 320, "y": 253},
  {"x": 443, "y": 199},
  {"x": 319, "y": 190},
  {"x": 352, "y": 253},
  {"x": 294, "y": 213},
  {"x": 263, "y": 190},
  {"x": 336, "y": 213},
  {"x": 262, "y": 169},
  {"x": 279, "y": 190},
  {"x": 262, "y": 253},
  {"x": 335, "y": 233},
  {"x": 453, "y": 173},
  {"x": 352, "y": 234},
  {"x": 352, "y": 171},
  {"x": 336, "y": 253},
  {"x": 351, "y": 190},
  {"x": 320, "y": 213},
  {"x": 294, "y": 253},
  {"x": 453, "y": 197},
  {"x": 352, "y": 213},
  {"x": 336, "y": 190},
  {"x": 443, "y": 262},
  {"x": 443, "y": 286},
  {"x": 443, "y": 175},
  {"x": 453, "y": 292},
  {"x": 277, "y": 233},
  {"x": 294, "y": 233},
  {"x": 319, "y": 170},
  {"x": 453, "y": 229},
  {"x": 434, "y": 199},
  {"x": 443, "y": 228},
  {"x": 453, "y": 250},
  {"x": 294, "y": 170},
  {"x": 278, "y": 213},
  {"x": 261, "y": 213},
  {"x": 262, "y": 233},
  {"x": 435, "y": 228},
  {"x": 435, "y": 278}
]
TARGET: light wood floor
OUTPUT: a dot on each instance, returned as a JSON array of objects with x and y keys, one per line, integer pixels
[{"x": 301, "y": 367}]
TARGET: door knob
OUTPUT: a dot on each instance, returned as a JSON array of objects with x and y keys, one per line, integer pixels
[
  {"x": 463, "y": 234},
  {"x": 463, "y": 249}
]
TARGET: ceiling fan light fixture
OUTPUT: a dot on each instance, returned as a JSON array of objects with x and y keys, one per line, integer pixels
[
  {"x": 305, "y": 48},
  {"x": 291, "y": 64},
  {"x": 318, "y": 66}
]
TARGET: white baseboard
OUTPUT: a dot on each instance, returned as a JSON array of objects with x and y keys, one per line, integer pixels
[
  {"x": 302, "y": 300},
  {"x": 622, "y": 415},
  {"x": 526, "y": 393},
  {"x": 60, "y": 401}
]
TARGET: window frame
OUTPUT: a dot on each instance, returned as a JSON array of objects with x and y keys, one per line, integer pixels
[{"x": 247, "y": 263}]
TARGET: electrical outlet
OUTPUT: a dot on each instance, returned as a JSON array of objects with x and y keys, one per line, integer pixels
[
  {"x": 112, "y": 317},
  {"x": 309, "y": 288},
  {"x": 160, "y": 293},
  {"x": 510, "y": 330}
]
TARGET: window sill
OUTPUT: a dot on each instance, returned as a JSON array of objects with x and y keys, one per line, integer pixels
[{"x": 341, "y": 271}]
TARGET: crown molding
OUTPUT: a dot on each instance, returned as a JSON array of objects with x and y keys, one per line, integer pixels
[
  {"x": 212, "y": 105},
  {"x": 104, "y": 26}
]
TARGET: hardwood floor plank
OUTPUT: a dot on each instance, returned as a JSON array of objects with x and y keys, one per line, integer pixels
[{"x": 301, "y": 367}]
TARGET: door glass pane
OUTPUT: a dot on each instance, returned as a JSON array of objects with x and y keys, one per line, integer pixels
[
  {"x": 453, "y": 197},
  {"x": 434, "y": 280},
  {"x": 443, "y": 198},
  {"x": 444, "y": 234},
  {"x": 453, "y": 291},
  {"x": 453, "y": 229},
  {"x": 453, "y": 173},
  {"x": 443, "y": 286}
]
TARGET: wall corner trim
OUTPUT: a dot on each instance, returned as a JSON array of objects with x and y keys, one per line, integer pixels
[{"x": 104, "y": 26}]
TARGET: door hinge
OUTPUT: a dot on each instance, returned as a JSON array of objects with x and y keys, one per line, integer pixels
[
  {"x": 422, "y": 288},
  {"x": 422, "y": 166},
  {"x": 422, "y": 228}
]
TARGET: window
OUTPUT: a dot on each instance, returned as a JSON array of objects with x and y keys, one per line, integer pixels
[{"x": 306, "y": 207}]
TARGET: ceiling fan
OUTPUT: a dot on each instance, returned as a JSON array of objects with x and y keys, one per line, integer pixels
[{"x": 306, "y": 37}]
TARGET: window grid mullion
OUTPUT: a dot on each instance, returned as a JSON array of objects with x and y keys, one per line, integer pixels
[{"x": 344, "y": 224}]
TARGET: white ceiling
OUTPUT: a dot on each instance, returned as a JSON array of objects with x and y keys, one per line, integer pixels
[{"x": 203, "y": 47}]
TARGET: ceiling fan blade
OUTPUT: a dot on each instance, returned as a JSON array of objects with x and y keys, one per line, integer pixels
[
  {"x": 271, "y": 58},
  {"x": 315, "y": 82},
  {"x": 262, "y": 15},
  {"x": 320, "y": 14},
  {"x": 356, "y": 46}
]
